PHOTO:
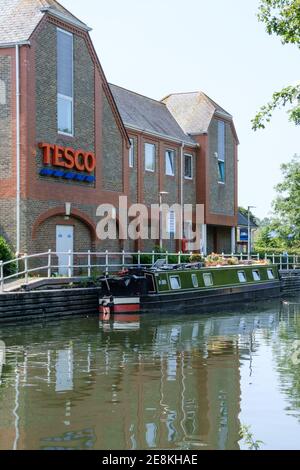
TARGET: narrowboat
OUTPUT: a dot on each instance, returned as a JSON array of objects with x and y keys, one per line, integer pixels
[{"x": 185, "y": 288}]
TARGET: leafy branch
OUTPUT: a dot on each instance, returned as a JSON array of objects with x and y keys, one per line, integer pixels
[
  {"x": 247, "y": 436},
  {"x": 288, "y": 95}
]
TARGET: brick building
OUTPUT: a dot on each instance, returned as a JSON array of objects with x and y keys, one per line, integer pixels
[{"x": 69, "y": 141}]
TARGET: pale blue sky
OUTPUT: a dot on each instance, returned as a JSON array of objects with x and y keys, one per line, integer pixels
[{"x": 156, "y": 47}]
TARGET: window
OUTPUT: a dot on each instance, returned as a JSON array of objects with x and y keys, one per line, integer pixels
[
  {"x": 175, "y": 282},
  {"x": 221, "y": 151},
  {"x": 2, "y": 92},
  {"x": 242, "y": 276},
  {"x": 195, "y": 280},
  {"x": 270, "y": 274},
  {"x": 171, "y": 222},
  {"x": 208, "y": 280},
  {"x": 188, "y": 167},
  {"x": 256, "y": 275},
  {"x": 170, "y": 162},
  {"x": 64, "y": 82},
  {"x": 150, "y": 157},
  {"x": 131, "y": 154}
]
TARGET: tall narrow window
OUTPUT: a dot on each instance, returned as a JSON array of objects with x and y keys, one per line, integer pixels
[
  {"x": 131, "y": 154},
  {"x": 170, "y": 162},
  {"x": 188, "y": 167},
  {"x": 221, "y": 151},
  {"x": 2, "y": 92},
  {"x": 171, "y": 222},
  {"x": 65, "y": 82},
  {"x": 150, "y": 157}
]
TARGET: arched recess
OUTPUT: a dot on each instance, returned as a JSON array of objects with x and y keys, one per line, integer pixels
[{"x": 60, "y": 211}]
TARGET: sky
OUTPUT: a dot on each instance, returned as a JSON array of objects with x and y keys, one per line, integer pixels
[{"x": 158, "y": 47}]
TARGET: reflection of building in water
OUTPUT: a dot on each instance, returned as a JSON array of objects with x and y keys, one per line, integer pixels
[
  {"x": 173, "y": 385},
  {"x": 2, "y": 357}
]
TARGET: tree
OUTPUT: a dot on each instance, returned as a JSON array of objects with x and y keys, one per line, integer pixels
[
  {"x": 6, "y": 254},
  {"x": 283, "y": 229},
  {"x": 253, "y": 218},
  {"x": 287, "y": 203},
  {"x": 282, "y": 18}
]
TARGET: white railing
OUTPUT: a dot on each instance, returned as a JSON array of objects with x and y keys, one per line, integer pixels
[{"x": 90, "y": 263}]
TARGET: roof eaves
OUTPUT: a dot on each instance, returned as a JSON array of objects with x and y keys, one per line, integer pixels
[
  {"x": 66, "y": 18},
  {"x": 163, "y": 136},
  {"x": 7, "y": 45}
]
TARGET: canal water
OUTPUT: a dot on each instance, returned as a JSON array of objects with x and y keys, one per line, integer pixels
[{"x": 150, "y": 382}]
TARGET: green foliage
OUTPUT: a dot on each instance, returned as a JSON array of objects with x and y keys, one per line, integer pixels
[
  {"x": 289, "y": 95},
  {"x": 247, "y": 436},
  {"x": 6, "y": 254},
  {"x": 283, "y": 230},
  {"x": 159, "y": 254},
  {"x": 196, "y": 258},
  {"x": 282, "y": 18},
  {"x": 253, "y": 218}
]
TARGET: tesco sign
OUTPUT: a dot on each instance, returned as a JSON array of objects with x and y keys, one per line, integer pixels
[{"x": 66, "y": 158}]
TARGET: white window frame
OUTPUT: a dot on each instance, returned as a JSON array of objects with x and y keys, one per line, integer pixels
[
  {"x": 151, "y": 170},
  {"x": 206, "y": 277},
  {"x": 192, "y": 166},
  {"x": 64, "y": 97},
  {"x": 171, "y": 278},
  {"x": 131, "y": 154},
  {"x": 270, "y": 273},
  {"x": 242, "y": 277},
  {"x": 195, "y": 280},
  {"x": 173, "y": 153},
  {"x": 256, "y": 273}
]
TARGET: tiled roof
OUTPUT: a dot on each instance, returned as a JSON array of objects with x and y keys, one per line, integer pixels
[
  {"x": 144, "y": 113},
  {"x": 193, "y": 111},
  {"x": 19, "y": 18},
  {"x": 243, "y": 221}
]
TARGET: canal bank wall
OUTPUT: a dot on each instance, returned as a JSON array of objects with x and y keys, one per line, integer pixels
[
  {"x": 290, "y": 281},
  {"x": 46, "y": 304}
]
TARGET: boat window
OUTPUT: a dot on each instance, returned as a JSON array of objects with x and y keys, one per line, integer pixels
[
  {"x": 175, "y": 282},
  {"x": 208, "y": 280},
  {"x": 256, "y": 275},
  {"x": 195, "y": 280},
  {"x": 242, "y": 276},
  {"x": 271, "y": 274}
]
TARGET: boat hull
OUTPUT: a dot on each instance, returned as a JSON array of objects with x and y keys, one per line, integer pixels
[
  {"x": 194, "y": 300},
  {"x": 202, "y": 301}
]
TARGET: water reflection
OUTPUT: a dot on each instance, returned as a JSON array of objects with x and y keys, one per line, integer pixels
[{"x": 184, "y": 382}]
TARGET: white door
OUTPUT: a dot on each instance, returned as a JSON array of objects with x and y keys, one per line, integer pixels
[{"x": 64, "y": 244}]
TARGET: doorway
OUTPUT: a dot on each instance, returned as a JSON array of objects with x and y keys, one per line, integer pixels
[{"x": 64, "y": 244}]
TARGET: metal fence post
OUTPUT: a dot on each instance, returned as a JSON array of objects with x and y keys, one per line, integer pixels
[
  {"x": 123, "y": 260},
  {"x": 273, "y": 258},
  {"x": 139, "y": 257},
  {"x": 49, "y": 263},
  {"x": 167, "y": 257},
  {"x": 1, "y": 277},
  {"x": 89, "y": 264},
  {"x": 153, "y": 257},
  {"x": 26, "y": 267},
  {"x": 70, "y": 263},
  {"x": 280, "y": 261},
  {"x": 179, "y": 257},
  {"x": 106, "y": 262}
]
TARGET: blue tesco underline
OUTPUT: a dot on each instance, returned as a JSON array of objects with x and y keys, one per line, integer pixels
[{"x": 67, "y": 175}]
